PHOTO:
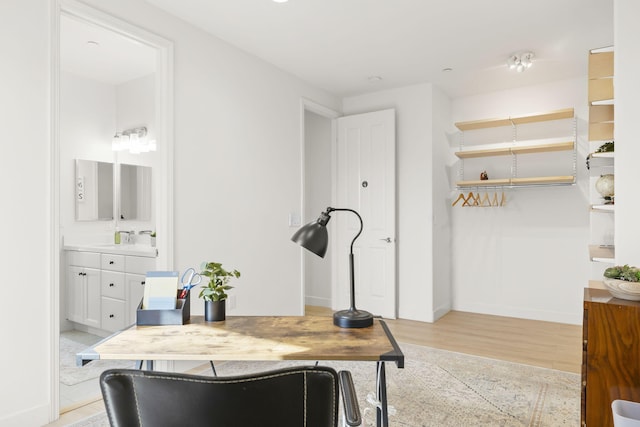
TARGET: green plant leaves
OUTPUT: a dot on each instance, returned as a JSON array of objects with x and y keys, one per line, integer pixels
[
  {"x": 625, "y": 272},
  {"x": 215, "y": 289}
]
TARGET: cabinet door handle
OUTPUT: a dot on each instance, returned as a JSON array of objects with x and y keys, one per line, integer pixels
[
  {"x": 110, "y": 262},
  {"x": 80, "y": 274},
  {"x": 111, "y": 285},
  {"x": 142, "y": 283},
  {"x": 111, "y": 316}
]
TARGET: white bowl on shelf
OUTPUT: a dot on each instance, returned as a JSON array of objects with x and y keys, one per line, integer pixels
[{"x": 623, "y": 289}]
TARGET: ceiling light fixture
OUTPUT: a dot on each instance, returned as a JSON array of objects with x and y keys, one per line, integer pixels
[
  {"x": 520, "y": 61},
  {"x": 280, "y": 1}
]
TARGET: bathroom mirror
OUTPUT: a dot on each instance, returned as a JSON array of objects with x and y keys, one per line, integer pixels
[
  {"x": 135, "y": 192},
  {"x": 94, "y": 190}
]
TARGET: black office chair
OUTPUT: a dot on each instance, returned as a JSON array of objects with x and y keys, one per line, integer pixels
[{"x": 289, "y": 397}]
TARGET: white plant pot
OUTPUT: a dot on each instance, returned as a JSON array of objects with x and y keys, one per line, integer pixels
[{"x": 623, "y": 289}]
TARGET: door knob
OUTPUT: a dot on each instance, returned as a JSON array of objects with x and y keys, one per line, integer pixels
[{"x": 388, "y": 240}]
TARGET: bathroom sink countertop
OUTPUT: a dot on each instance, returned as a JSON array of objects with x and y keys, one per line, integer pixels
[{"x": 123, "y": 249}]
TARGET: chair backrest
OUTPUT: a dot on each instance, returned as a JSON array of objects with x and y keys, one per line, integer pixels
[{"x": 292, "y": 397}]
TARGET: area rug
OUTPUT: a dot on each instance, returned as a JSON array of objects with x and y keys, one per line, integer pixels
[
  {"x": 439, "y": 388},
  {"x": 72, "y": 342}
]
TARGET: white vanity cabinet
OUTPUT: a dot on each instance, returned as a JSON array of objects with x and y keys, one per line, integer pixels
[
  {"x": 83, "y": 278},
  {"x": 113, "y": 305},
  {"x": 105, "y": 288}
]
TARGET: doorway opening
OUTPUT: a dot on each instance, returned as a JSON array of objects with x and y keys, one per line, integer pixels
[
  {"x": 318, "y": 149},
  {"x": 108, "y": 76}
]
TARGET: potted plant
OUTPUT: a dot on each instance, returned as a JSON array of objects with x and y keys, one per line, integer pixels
[
  {"x": 623, "y": 282},
  {"x": 214, "y": 292}
]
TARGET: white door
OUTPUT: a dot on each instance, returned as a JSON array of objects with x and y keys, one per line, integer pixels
[{"x": 365, "y": 182}]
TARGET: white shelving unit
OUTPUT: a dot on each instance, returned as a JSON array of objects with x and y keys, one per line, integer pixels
[{"x": 601, "y": 131}]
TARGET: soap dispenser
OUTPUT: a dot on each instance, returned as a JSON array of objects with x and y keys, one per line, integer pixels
[{"x": 116, "y": 237}]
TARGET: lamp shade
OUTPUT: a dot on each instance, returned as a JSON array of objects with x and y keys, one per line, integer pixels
[{"x": 313, "y": 237}]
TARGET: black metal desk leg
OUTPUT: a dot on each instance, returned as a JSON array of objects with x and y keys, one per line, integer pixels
[{"x": 382, "y": 413}]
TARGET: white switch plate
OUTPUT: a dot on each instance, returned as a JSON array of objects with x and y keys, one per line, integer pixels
[{"x": 294, "y": 219}]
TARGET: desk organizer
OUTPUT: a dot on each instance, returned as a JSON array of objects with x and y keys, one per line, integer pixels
[{"x": 178, "y": 316}]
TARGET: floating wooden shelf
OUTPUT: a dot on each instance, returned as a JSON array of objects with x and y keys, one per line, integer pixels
[
  {"x": 565, "y": 179},
  {"x": 603, "y": 208},
  {"x": 484, "y": 183},
  {"x": 566, "y": 113},
  {"x": 540, "y": 180},
  {"x": 597, "y": 284},
  {"x": 602, "y": 253},
  {"x": 605, "y": 155},
  {"x": 610, "y": 101},
  {"x": 519, "y": 149}
]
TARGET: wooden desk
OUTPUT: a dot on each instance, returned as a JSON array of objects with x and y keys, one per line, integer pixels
[{"x": 256, "y": 338}]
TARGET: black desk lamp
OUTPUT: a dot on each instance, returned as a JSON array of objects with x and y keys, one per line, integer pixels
[{"x": 314, "y": 237}]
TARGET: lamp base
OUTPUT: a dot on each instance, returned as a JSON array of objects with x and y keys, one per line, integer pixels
[{"x": 352, "y": 318}]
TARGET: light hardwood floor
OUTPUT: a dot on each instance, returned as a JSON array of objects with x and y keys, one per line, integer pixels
[{"x": 531, "y": 342}]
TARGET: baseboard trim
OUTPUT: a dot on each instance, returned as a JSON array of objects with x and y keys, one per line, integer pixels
[{"x": 317, "y": 301}]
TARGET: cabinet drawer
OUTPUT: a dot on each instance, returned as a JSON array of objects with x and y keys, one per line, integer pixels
[
  {"x": 113, "y": 314},
  {"x": 84, "y": 259},
  {"x": 139, "y": 264},
  {"x": 113, "y": 262},
  {"x": 112, "y": 284}
]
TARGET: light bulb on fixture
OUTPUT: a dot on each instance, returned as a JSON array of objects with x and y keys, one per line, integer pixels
[
  {"x": 520, "y": 61},
  {"x": 116, "y": 142}
]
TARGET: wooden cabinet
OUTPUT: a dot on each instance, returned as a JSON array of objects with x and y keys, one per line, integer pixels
[
  {"x": 104, "y": 289},
  {"x": 610, "y": 357},
  {"x": 514, "y": 147}
]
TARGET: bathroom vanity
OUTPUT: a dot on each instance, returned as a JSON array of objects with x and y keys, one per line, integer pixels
[{"x": 105, "y": 283}]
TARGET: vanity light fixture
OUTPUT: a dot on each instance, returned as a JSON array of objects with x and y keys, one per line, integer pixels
[
  {"x": 134, "y": 140},
  {"x": 520, "y": 61}
]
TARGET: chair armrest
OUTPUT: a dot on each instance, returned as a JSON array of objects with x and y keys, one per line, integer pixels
[{"x": 349, "y": 399}]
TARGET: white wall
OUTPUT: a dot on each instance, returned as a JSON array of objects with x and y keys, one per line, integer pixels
[
  {"x": 441, "y": 159},
  {"x": 317, "y": 271},
  {"x": 528, "y": 259},
  {"x": 415, "y": 112},
  {"x": 627, "y": 93},
  {"x": 25, "y": 185}
]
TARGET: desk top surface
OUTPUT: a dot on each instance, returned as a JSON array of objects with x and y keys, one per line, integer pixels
[{"x": 250, "y": 338}]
